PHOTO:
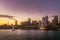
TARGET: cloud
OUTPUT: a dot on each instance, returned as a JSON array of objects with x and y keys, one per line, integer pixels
[{"x": 7, "y": 16}]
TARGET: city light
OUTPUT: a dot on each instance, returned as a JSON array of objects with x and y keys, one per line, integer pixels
[{"x": 42, "y": 28}]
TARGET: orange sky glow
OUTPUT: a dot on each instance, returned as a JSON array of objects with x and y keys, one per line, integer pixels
[{"x": 22, "y": 10}]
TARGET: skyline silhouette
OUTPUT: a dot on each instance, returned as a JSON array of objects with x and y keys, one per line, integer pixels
[
  {"x": 12, "y": 20},
  {"x": 29, "y": 19},
  {"x": 34, "y": 9}
]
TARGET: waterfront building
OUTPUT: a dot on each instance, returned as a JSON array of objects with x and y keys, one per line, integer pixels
[
  {"x": 39, "y": 23},
  {"x": 56, "y": 20},
  {"x": 45, "y": 21},
  {"x": 16, "y": 23}
]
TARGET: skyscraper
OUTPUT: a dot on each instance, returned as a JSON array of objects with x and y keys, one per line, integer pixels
[
  {"x": 56, "y": 20},
  {"x": 16, "y": 23},
  {"x": 39, "y": 23},
  {"x": 45, "y": 21},
  {"x": 29, "y": 20},
  {"x": 53, "y": 23}
]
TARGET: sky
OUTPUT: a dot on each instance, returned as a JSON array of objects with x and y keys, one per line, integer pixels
[{"x": 34, "y": 9}]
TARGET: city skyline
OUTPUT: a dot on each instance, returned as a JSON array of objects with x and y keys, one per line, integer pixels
[
  {"x": 34, "y": 9},
  {"x": 8, "y": 20},
  {"x": 29, "y": 19}
]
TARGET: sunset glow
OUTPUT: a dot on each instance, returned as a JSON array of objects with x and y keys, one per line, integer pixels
[{"x": 24, "y": 9}]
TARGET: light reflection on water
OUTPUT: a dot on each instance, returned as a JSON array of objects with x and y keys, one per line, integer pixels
[
  {"x": 31, "y": 33},
  {"x": 24, "y": 32}
]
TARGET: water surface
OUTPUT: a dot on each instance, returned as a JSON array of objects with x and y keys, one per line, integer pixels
[{"x": 7, "y": 34}]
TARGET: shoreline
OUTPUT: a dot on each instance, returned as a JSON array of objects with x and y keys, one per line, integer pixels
[{"x": 32, "y": 29}]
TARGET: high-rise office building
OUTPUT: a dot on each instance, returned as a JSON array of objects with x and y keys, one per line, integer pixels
[
  {"x": 53, "y": 22},
  {"x": 56, "y": 20},
  {"x": 29, "y": 20},
  {"x": 46, "y": 18},
  {"x": 45, "y": 21},
  {"x": 16, "y": 23},
  {"x": 39, "y": 23}
]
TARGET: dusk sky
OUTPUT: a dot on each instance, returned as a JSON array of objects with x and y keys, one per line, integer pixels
[{"x": 34, "y": 9}]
